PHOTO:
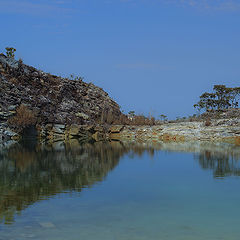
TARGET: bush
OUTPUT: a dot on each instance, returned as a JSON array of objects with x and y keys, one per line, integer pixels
[
  {"x": 24, "y": 118},
  {"x": 141, "y": 120},
  {"x": 76, "y": 78},
  {"x": 208, "y": 122},
  {"x": 10, "y": 52},
  {"x": 107, "y": 117}
]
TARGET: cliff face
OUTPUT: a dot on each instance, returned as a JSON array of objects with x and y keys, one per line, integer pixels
[{"x": 52, "y": 99}]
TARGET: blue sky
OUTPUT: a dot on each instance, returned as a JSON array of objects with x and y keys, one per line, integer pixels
[{"x": 151, "y": 56}]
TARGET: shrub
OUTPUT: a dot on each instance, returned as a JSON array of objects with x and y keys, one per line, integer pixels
[
  {"x": 76, "y": 78},
  {"x": 141, "y": 120},
  {"x": 163, "y": 117},
  {"x": 10, "y": 52},
  {"x": 152, "y": 121},
  {"x": 24, "y": 118},
  {"x": 20, "y": 61},
  {"x": 208, "y": 122}
]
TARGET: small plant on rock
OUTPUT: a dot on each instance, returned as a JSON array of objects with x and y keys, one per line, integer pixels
[
  {"x": 10, "y": 52},
  {"x": 76, "y": 78},
  {"x": 131, "y": 114},
  {"x": 208, "y": 122},
  {"x": 24, "y": 118},
  {"x": 163, "y": 117}
]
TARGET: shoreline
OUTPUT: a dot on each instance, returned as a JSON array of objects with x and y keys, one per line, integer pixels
[{"x": 221, "y": 130}]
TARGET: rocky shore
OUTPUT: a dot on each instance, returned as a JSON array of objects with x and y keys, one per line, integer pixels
[
  {"x": 52, "y": 108},
  {"x": 221, "y": 130},
  {"x": 48, "y": 99}
]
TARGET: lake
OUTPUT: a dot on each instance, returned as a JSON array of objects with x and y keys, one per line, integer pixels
[{"x": 119, "y": 191}]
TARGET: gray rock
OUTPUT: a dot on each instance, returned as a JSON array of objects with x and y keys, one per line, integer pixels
[
  {"x": 58, "y": 128},
  {"x": 9, "y": 133},
  {"x": 57, "y": 100},
  {"x": 12, "y": 107},
  {"x": 82, "y": 115}
]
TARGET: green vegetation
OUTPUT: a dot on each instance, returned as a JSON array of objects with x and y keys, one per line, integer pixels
[
  {"x": 76, "y": 78},
  {"x": 131, "y": 114},
  {"x": 163, "y": 117},
  {"x": 10, "y": 52},
  {"x": 222, "y": 98}
]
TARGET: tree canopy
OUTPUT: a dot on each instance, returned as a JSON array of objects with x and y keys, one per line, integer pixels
[{"x": 222, "y": 98}]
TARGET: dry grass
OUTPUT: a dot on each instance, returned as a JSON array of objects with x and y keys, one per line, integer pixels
[
  {"x": 137, "y": 120},
  {"x": 208, "y": 122},
  {"x": 24, "y": 118}
]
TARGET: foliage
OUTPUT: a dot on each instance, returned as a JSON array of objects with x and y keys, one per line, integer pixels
[
  {"x": 76, "y": 78},
  {"x": 20, "y": 61},
  {"x": 24, "y": 118},
  {"x": 222, "y": 98},
  {"x": 10, "y": 52},
  {"x": 163, "y": 117},
  {"x": 131, "y": 114},
  {"x": 208, "y": 122}
]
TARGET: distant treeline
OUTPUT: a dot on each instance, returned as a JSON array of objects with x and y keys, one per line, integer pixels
[{"x": 222, "y": 98}]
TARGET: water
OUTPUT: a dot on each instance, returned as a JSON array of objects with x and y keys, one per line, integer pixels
[{"x": 116, "y": 191}]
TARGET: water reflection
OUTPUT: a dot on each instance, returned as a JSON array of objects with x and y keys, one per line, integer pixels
[
  {"x": 222, "y": 164},
  {"x": 222, "y": 158},
  {"x": 30, "y": 172}
]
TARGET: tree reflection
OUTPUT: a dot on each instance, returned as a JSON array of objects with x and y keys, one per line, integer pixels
[
  {"x": 30, "y": 172},
  {"x": 223, "y": 164}
]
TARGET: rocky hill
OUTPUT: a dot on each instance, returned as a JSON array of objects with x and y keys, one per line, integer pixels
[{"x": 52, "y": 99}]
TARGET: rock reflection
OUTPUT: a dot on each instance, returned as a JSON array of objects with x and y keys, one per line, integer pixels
[{"x": 30, "y": 172}]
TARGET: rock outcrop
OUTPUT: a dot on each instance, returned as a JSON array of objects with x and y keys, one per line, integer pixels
[
  {"x": 221, "y": 130},
  {"x": 64, "y": 109},
  {"x": 52, "y": 99}
]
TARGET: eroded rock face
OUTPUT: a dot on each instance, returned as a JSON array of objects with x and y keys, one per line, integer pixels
[
  {"x": 221, "y": 130},
  {"x": 53, "y": 99}
]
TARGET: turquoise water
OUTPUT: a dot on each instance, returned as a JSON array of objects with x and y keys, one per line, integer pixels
[{"x": 114, "y": 191}]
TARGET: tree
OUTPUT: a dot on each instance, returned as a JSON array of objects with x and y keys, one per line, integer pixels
[
  {"x": 222, "y": 98},
  {"x": 234, "y": 97},
  {"x": 10, "y": 52},
  {"x": 222, "y": 95},
  {"x": 131, "y": 114},
  {"x": 163, "y": 117}
]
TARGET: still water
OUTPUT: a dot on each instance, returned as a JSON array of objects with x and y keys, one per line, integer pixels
[{"x": 117, "y": 191}]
